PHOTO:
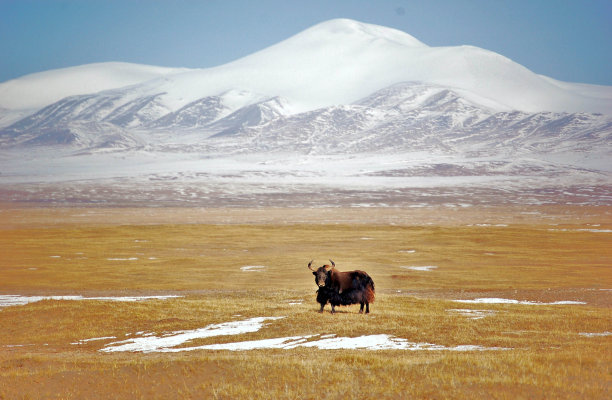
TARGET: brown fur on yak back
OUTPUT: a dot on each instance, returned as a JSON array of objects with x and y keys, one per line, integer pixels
[{"x": 356, "y": 281}]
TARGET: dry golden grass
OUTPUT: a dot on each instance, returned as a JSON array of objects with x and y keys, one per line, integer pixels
[{"x": 547, "y": 356}]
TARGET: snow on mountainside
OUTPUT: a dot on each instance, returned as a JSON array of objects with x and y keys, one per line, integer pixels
[
  {"x": 340, "y": 61},
  {"x": 334, "y": 62},
  {"x": 40, "y": 89},
  {"x": 407, "y": 116},
  {"x": 418, "y": 117},
  {"x": 348, "y": 94}
]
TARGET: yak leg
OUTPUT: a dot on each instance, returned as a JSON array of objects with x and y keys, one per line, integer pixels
[
  {"x": 321, "y": 310},
  {"x": 361, "y": 308},
  {"x": 367, "y": 307},
  {"x": 333, "y": 309}
]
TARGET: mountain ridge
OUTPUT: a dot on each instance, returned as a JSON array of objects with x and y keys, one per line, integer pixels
[
  {"x": 334, "y": 62},
  {"x": 340, "y": 87},
  {"x": 40, "y": 89}
]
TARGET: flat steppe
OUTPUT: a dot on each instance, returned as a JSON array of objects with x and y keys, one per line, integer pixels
[{"x": 544, "y": 330}]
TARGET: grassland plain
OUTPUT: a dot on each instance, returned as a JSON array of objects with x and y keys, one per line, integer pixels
[{"x": 540, "y": 350}]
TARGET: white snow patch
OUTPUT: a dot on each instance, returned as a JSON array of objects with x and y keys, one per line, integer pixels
[
  {"x": 17, "y": 300},
  {"x": 253, "y": 268},
  {"x": 123, "y": 259},
  {"x": 406, "y": 251},
  {"x": 472, "y": 314},
  {"x": 493, "y": 300},
  {"x": 369, "y": 342},
  {"x": 168, "y": 342},
  {"x": 274, "y": 343},
  {"x": 420, "y": 268},
  {"x": 595, "y": 334},
  {"x": 331, "y": 342},
  {"x": 582, "y": 230},
  {"x": 82, "y": 341},
  {"x": 487, "y": 225}
]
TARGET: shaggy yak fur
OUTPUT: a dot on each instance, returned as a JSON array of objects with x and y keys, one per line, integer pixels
[{"x": 343, "y": 288}]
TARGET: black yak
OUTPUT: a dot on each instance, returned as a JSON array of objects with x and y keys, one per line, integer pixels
[{"x": 343, "y": 288}]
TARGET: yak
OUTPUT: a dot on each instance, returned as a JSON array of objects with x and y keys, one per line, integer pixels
[{"x": 343, "y": 288}]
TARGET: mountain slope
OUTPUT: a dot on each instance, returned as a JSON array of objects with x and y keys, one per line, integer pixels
[
  {"x": 34, "y": 91},
  {"x": 340, "y": 61},
  {"x": 414, "y": 116},
  {"x": 340, "y": 86}
]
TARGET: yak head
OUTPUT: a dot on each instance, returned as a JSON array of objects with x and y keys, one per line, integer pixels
[{"x": 322, "y": 273}]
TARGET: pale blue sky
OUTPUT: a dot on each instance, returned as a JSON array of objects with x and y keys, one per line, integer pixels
[{"x": 566, "y": 40}]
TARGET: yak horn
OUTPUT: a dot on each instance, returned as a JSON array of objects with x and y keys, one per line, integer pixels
[
  {"x": 309, "y": 265},
  {"x": 328, "y": 268}
]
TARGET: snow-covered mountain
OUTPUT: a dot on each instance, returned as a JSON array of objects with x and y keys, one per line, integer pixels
[
  {"x": 338, "y": 62},
  {"x": 340, "y": 88},
  {"x": 406, "y": 116}
]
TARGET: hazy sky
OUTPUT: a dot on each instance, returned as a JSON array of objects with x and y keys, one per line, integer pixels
[{"x": 570, "y": 40}]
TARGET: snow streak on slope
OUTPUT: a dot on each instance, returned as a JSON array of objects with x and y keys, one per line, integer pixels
[
  {"x": 41, "y": 89},
  {"x": 413, "y": 116},
  {"x": 407, "y": 116}
]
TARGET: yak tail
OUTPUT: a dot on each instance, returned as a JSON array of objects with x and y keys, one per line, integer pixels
[{"x": 369, "y": 290}]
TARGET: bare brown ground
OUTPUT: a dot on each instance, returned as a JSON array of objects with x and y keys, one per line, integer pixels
[{"x": 540, "y": 253}]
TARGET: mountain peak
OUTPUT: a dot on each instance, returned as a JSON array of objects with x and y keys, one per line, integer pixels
[{"x": 344, "y": 26}]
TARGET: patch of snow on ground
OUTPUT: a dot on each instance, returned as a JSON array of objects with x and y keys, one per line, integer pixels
[
  {"x": 472, "y": 314},
  {"x": 274, "y": 343},
  {"x": 493, "y": 300},
  {"x": 582, "y": 230},
  {"x": 82, "y": 341},
  {"x": 420, "y": 268},
  {"x": 17, "y": 300},
  {"x": 168, "y": 342},
  {"x": 488, "y": 225},
  {"x": 331, "y": 342},
  {"x": 595, "y": 334},
  {"x": 253, "y": 268}
]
